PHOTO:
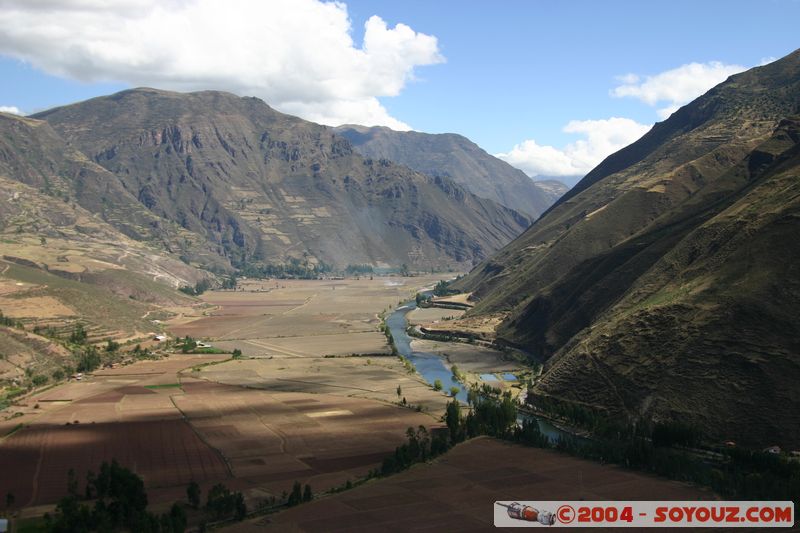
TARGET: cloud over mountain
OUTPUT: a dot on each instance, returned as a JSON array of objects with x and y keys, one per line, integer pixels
[
  {"x": 601, "y": 138},
  {"x": 675, "y": 87},
  {"x": 298, "y": 55}
]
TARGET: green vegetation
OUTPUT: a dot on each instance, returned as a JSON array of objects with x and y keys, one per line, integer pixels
[
  {"x": 121, "y": 504},
  {"x": 422, "y": 300},
  {"x": 163, "y": 386},
  {"x": 408, "y": 365},
  {"x": 87, "y": 360},
  {"x": 437, "y": 385},
  {"x": 229, "y": 282},
  {"x": 10, "y": 322},
  {"x": 293, "y": 269},
  {"x": 442, "y": 288},
  {"x": 193, "y": 494},
  {"x": 384, "y": 327},
  {"x": 353, "y": 270},
  {"x": 299, "y": 495},
  {"x": 419, "y": 448},
  {"x": 672, "y": 450},
  {"x": 223, "y": 504},
  {"x": 190, "y": 345},
  {"x": 199, "y": 288},
  {"x": 78, "y": 335}
]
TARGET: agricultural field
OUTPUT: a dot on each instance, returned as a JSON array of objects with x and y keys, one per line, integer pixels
[
  {"x": 300, "y": 318},
  {"x": 425, "y": 315},
  {"x": 374, "y": 378},
  {"x": 457, "y": 491},
  {"x": 307, "y": 411}
]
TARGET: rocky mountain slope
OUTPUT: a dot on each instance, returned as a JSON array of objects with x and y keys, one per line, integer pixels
[
  {"x": 259, "y": 186},
  {"x": 460, "y": 159},
  {"x": 57, "y": 203},
  {"x": 63, "y": 264},
  {"x": 664, "y": 285}
]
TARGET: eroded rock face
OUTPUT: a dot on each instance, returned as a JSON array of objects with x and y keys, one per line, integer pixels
[{"x": 264, "y": 187}]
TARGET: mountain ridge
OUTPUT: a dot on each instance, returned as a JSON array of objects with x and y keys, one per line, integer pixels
[
  {"x": 609, "y": 287},
  {"x": 261, "y": 186},
  {"x": 455, "y": 156}
]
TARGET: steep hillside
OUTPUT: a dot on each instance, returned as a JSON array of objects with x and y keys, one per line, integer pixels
[
  {"x": 62, "y": 265},
  {"x": 264, "y": 187},
  {"x": 460, "y": 159},
  {"x": 32, "y": 153},
  {"x": 663, "y": 285}
]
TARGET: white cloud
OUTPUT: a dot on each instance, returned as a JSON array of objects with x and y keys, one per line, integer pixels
[
  {"x": 14, "y": 110},
  {"x": 298, "y": 55},
  {"x": 601, "y": 139},
  {"x": 675, "y": 87}
]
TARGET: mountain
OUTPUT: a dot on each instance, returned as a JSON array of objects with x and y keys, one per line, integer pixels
[
  {"x": 55, "y": 193},
  {"x": 460, "y": 159},
  {"x": 259, "y": 186},
  {"x": 63, "y": 264},
  {"x": 665, "y": 284}
]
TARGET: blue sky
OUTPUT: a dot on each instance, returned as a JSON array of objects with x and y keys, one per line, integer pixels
[{"x": 501, "y": 73}]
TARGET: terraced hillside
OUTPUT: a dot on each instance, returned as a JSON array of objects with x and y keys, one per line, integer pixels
[
  {"x": 664, "y": 285},
  {"x": 261, "y": 186}
]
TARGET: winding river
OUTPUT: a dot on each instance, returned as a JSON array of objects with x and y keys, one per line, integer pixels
[{"x": 432, "y": 366}]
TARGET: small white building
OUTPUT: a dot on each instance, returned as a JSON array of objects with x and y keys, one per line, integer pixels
[
  {"x": 773, "y": 449},
  {"x": 160, "y": 338},
  {"x": 3, "y": 525}
]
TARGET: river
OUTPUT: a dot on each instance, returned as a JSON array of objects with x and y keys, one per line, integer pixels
[{"x": 432, "y": 366}]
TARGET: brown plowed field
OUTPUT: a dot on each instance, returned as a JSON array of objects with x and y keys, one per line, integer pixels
[
  {"x": 457, "y": 492},
  {"x": 35, "y": 462},
  {"x": 275, "y": 438}
]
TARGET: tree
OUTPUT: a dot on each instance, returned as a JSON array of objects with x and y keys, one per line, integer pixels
[
  {"x": 177, "y": 519},
  {"x": 220, "y": 501},
  {"x": 88, "y": 360},
  {"x": 240, "y": 508},
  {"x": 237, "y": 353},
  {"x": 43, "y": 241},
  {"x": 112, "y": 346},
  {"x": 452, "y": 417},
  {"x": 78, "y": 335},
  {"x": 72, "y": 482},
  {"x": 399, "y": 391},
  {"x": 193, "y": 494},
  {"x": 296, "y": 496},
  {"x": 307, "y": 494},
  {"x": 437, "y": 384},
  {"x": 90, "y": 483},
  {"x": 454, "y": 390}
]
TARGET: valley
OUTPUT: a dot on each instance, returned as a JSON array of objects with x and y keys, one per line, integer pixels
[
  {"x": 283, "y": 413},
  {"x": 245, "y": 287}
]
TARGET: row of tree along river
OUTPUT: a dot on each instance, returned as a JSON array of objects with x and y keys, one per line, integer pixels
[{"x": 432, "y": 366}]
